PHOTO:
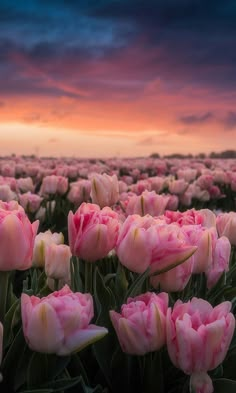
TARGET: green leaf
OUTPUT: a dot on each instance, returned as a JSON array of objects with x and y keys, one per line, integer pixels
[
  {"x": 105, "y": 301},
  {"x": 136, "y": 286},
  {"x": 11, "y": 356},
  {"x": 44, "y": 367},
  {"x": 10, "y": 317},
  {"x": 21, "y": 367},
  {"x": 172, "y": 265},
  {"x": 224, "y": 385},
  {"x": 121, "y": 283},
  {"x": 64, "y": 383},
  {"x": 37, "y": 391}
]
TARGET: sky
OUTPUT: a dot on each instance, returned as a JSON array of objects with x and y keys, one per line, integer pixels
[{"x": 104, "y": 78}]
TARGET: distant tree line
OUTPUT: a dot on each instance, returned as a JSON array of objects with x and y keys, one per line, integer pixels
[{"x": 222, "y": 154}]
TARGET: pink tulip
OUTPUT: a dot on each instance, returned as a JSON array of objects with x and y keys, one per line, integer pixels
[
  {"x": 157, "y": 183},
  {"x": 54, "y": 185},
  {"x": 60, "y": 322},
  {"x": 226, "y": 226},
  {"x": 204, "y": 217},
  {"x": 6, "y": 194},
  {"x": 176, "y": 279},
  {"x": 30, "y": 202},
  {"x": 178, "y": 186},
  {"x": 188, "y": 174},
  {"x": 104, "y": 189},
  {"x": 141, "y": 186},
  {"x": 205, "y": 181},
  {"x": 205, "y": 240},
  {"x": 17, "y": 236},
  {"x": 92, "y": 232},
  {"x": 141, "y": 325},
  {"x": 79, "y": 192},
  {"x": 198, "y": 337},
  {"x": 57, "y": 261},
  {"x": 173, "y": 202},
  {"x": 25, "y": 184},
  {"x": 201, "y": 383},
  {"x": 143, "y": 243},
  {"x": 220, "y": 261},
  {"x": 147, "y": 203},
  {"x": 42, "y": 240}
]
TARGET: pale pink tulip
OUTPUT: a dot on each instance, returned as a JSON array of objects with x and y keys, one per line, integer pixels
[
  {"x": 30, "y": 202},
  {"x": 188, "y": 174},
  {"x": 198, "y": 337},
  {"x": 25, "y": 184},
  {"x": 220, "y": 261},
  {"x": 17, "y": 236},
  {"x": 42, "y": 240},
  {"x": 79, "y": 192},
  {"x": 57, "y": 261},
  {"x": 147, "y": 203},
  {"x": 178, "y": 186},
  {"x": 6, "y": 194},
  {"x": 52, "y": 185},
  {"x": 176, "y": 279},
  {"x": 104, "y": 189},
  {"x": 60, "y": 322},
  {"x": 205, "y": 181},
  {"x": 145, "y": 242},
  {"x": 226, "y": 226},
  {"x": 92, "y": 231},
  {"x": 205, "y": 239},
  {"x": 141, "y": 325}
]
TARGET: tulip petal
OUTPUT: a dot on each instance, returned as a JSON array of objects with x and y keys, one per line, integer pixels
[
  {"x": 44, "y": 332},
  {"x": 82, "y": 338}
]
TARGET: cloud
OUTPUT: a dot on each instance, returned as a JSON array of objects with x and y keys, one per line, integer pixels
[
  {"x": 229, "y": 120},
  {"x": 197, "y": 119},
  {"x": 184, "y": 43}
]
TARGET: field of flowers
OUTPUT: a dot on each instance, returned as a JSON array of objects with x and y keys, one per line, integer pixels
[{"x": 117, "y": 275}]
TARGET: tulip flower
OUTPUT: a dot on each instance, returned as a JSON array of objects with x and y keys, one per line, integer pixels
[
  {"x": 92, "y": 231},
  {"x": 17, "y": 236},
  {"x": 226, "y": 226},
  {"x": 57, "y": 261},
  {"x": 60, "y": 322},
  {"x": 104, "y": 189},
  {"x": 54, "y": 185},
  {"x": 143, "y": 243},
  {"x": 198, "y": 338},
  {"x": 147, "y": 203},
  {"x": 42, "y": 240},
  {"x": 141, "y": 325}
]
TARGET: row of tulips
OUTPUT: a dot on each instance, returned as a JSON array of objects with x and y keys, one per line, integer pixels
[
  {"x": 142, "y": 187},
  {"x": 158, "y": 290},
  {"x": 127, "y": 244}
]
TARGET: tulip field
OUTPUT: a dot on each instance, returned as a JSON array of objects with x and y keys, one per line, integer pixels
[{"x": 117, "y": 275}]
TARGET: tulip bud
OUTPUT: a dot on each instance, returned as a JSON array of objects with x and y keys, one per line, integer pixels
[
  {"x": 41, "y": 241},
  {"x": 57, "y": 261}
]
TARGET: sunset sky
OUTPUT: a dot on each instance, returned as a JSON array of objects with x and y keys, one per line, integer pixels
[{"x": 109, "y": 78}]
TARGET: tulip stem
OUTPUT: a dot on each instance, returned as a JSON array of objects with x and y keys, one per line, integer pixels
[
  {"x": 4, "y": 281},
  {"x": 88, "y": 271},
  {"x": 152, "y": 372},
  {"x": 56, "y": 285}
]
